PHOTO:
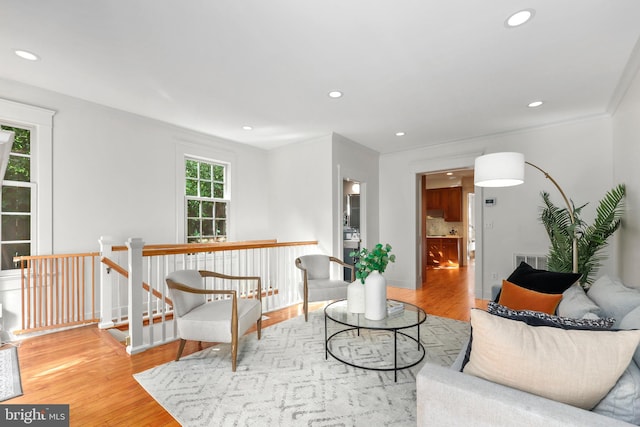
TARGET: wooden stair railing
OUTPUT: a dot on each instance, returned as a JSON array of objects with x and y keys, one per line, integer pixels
[{"x": 115, "y": 266}]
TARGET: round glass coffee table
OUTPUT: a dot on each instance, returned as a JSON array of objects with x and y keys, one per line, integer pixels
[{"x": 410, "y": 317}]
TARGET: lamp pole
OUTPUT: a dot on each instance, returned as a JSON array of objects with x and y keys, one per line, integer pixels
[{"x": 569, "y": 209}]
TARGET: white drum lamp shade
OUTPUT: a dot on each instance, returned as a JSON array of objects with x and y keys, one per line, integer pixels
[{"x": 499, "y": 170}]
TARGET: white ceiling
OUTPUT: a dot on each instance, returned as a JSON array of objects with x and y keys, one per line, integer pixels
[{"x": 439, "y": 70}]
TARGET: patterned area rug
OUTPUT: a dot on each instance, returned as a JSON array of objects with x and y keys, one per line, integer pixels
[
  {"x": 10, "y": 383},
  {"x": 284, "y": 380}
]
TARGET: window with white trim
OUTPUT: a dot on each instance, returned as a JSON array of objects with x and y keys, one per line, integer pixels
[
  {"x": 17, "y": 201},
  {"x": 206, "y": 200}
]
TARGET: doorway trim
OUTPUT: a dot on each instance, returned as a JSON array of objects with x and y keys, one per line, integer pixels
[
  {"x": 425, "y": 166},
  {"x": 338, "y": 244}
]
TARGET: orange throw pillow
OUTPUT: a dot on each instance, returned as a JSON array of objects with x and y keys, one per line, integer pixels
[{"x": 519, "y": 298}]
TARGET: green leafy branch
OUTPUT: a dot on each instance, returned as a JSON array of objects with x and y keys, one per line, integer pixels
[
  {"x": 374, "y": 260},
  {"x": 592, "y": 239}
]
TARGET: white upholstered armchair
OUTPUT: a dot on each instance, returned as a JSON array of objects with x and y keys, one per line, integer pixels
[
  {"x": 317, "y": 284},
  {"x": 201, "y": 318}
]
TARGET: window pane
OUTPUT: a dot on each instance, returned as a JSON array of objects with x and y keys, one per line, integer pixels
[
  {"x": 207, "y": 209},
  {"x": 205, "y": 189},
  {"x": 191, "y": 169},
  {"x": 21, "y": 141},
  {"x": 218, "y": 173},
  {"x": 205, "y": 171},
  {"x": 193, "y": 228},
  {"x": 218, "y": 190},
  {"x": 193, "y": 208},
  {"x": 221, "y": 210},
  {"x": 192, "y": 187},
  {"x": 221, "y": 227},
  {"x": 16, "y": 199},
  {"x": 16, "y": 227},
  {"x": 207, "y": 228},
  {"x": 9, "y": 250},
  {"x": 18, "y": 169}
]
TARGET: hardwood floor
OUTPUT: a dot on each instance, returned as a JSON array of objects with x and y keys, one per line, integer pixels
[{"x": 89, "y": 370}]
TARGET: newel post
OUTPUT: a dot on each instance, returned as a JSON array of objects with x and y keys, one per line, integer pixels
[
  {"x": 136, "y": 342},
  {"x": 106, "y": 284}
]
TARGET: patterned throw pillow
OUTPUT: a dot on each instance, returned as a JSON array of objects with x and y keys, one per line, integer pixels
[{"x": 536, "y": 318}]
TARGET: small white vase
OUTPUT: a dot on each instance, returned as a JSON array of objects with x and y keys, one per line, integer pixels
[
  {"x": 375, "y": 295},
  {"x": 355, "y": 297}
]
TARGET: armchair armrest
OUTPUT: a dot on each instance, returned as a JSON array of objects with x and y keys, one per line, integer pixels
[
  {"x": 349, "y": 266},
  {"x": 257, "y": 290}
]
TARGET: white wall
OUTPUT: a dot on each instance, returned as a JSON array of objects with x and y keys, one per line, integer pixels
[
  {"x": 626, "y": 155},
  {"x": 354, "y": 161},
  {"x": 578, "y": 155},
  {"x": 114, "y": 173},
  {"x": 305, "y": 178},
  {"x": 300, "y": 192}
]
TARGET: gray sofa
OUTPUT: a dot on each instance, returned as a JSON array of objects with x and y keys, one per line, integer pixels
[{"x": 448, "y": 397}]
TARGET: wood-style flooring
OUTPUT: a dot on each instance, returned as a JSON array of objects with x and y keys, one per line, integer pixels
[{"x": 89, "y": 370}]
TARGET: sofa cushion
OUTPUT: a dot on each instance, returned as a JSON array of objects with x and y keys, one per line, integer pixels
[
  {"x": 615, "y": 299},
  {"x": 576, "y": 304},
  {"x": 548, "y": 282},
  {"x": 519, "y": 298},
  {"x": 537, "y": 318},
  {"x": 632, "y": 321},
  {"x": 576, "y": 367},
  {"x": 622, "y": 402}
]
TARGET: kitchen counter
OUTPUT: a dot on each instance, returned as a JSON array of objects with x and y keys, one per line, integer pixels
[{"x": 445, "y": 251}]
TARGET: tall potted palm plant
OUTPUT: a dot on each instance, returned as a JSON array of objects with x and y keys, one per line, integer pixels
[{"x": 591, "y": 238}]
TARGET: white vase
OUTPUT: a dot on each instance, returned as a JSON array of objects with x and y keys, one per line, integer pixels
[
  {"x": 355, "y": 297},
  {"x": 375, "y": 295}
]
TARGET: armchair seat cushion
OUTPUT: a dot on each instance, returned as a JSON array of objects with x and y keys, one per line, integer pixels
[
  {"x": 325, "y": 289},
  {"x": 211, "y": 322}
]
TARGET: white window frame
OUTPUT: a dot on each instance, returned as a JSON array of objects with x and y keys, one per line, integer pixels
[
  {"x": 40, "y": 122},
  {"x": 225, "y": 198},
  {"x": 208, "y": 149}
]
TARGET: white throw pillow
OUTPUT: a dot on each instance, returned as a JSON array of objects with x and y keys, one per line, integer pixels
[
  {"x": 576, "y": 304},
  {"x": 614, "y": 298},
  {"x": 632, "y": 321},
  {"x": 576, "y": 367}
]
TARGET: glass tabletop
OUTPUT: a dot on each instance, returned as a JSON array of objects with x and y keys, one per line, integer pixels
[{"x": 410, "y": 316}]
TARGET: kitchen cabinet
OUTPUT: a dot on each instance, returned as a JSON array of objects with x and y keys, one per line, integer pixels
[
  {"x": 446, "y": 200},
  {"x": 444, "y": 251}
]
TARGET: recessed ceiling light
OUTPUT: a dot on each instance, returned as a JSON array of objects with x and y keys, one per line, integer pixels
[
  {"x": 335, "y": 94},
  {"x": 449, "y": 173},
  {"x": 519, "y": 18},
  {"x": 247, "y": 128},
  {"x": 400, "y": 134},
  {"x": 24, "y": 54},
  {"x": 535, "y": 104}
]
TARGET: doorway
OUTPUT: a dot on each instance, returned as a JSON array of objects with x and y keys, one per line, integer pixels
[
  {"x": 351, "y": 222},
  {"x": 447, "y": 218}
]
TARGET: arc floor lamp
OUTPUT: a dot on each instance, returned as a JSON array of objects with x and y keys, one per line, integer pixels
[{"x": 506, "y": 170}]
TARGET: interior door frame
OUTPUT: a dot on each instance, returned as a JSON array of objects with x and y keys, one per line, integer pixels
[{"x": 426, "y": 166}]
